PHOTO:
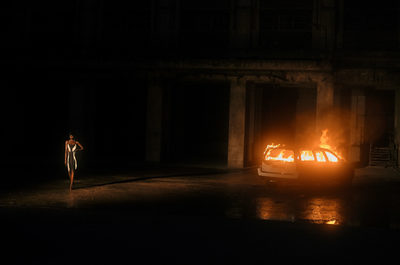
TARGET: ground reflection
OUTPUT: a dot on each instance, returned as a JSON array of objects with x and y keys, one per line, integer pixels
[
  {"x": 70, "y": 200},
  {"x": 318, "y": 210},
  {"x": 322, "y": 211},
  {"x": 269, "y": 209}
]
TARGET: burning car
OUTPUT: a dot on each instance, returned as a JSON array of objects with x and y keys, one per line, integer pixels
[{"x": 306, "y": 164}]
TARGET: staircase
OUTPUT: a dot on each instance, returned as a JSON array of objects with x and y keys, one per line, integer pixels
[{"x": 381, "y": 157}]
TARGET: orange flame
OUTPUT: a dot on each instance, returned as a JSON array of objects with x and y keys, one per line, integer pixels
[
  {"x": 274, "y": 153},
  {"x": 320, "y": 156},
  {"x": 324, "y": 139},
  {"x": 277, "y": 152},
  {"x": 306, "y": 155}
]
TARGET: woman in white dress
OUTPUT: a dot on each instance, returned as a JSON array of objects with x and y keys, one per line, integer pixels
[{"x": 71, "y": 147}]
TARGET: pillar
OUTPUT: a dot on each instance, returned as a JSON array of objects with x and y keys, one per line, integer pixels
[
  {"x": 357, "y": 121},
  {"x": 397, "y": 123},
  {"x": 237, "y": 114},
  {"x": 241, "y": 20},
  {"x": 325, "y": 92},
  {"x": 250, "y": 123},
  {"x": 339, "y": 30},
  {"x": 328, "y": 19},
  {"x": 324, "y": 23},
  {"x": 154, "y": 121}
]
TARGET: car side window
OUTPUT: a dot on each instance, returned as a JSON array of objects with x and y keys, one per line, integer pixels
[
  {"x": 306, "y": 155},
  {"x": 320, "y": 156},
  {"x": 331, "y": 157}
]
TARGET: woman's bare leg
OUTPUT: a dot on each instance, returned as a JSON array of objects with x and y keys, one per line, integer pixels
[{"x": 71, "y": 179}]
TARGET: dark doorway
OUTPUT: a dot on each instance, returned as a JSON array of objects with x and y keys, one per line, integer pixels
[
  {"x": 379, "y": 119},
  {"x": 280, "y": 114},
  {"x": 278, "y": 122},
  {"x": 196, "y": 130},
  {"x": 270, "y": 118}
]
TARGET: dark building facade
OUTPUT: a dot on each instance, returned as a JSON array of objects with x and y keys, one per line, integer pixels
[
  {"x": 209, "y": 82},
  {"x": 293, "y": 68}
]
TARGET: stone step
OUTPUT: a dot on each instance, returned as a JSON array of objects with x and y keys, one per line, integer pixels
[
  {"x": 381, "y": 156},
  {"x": 380, "y": 151}
]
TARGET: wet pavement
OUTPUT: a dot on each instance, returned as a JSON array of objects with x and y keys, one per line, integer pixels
[{"x": 200, "y": 216}]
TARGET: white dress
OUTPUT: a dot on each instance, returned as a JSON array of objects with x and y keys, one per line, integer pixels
[{"x": 72, "y": 164}]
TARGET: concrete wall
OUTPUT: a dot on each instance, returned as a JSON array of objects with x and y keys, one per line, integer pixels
[
  {"x": 237, "y": 114},
  {"x": 242, "y": 118},
  {"x": 397, "y": 123},
  {"x": 325, "y": 91},
  {"x": 357, "y": 124}
]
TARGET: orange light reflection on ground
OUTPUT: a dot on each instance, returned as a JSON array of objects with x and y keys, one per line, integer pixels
[
  {"x": 323, "y": 211},
  {"x": 313, "y": 210}
]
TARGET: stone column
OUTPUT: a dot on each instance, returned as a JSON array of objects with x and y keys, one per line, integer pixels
[
  {"x": 316, "y": 26},
  {"x": 339, "y": 25},
  {"x": 329, "y": 22},
  {"x": 237, "y": 114},
  {"x": 357, "y": 121},
  {"x": 154, "y": 121},
  {"x": 397, "y": 123},
  {"x": 165, "y": 24},
  {"x": 324, "y": 22},
  {"x": 241, "y": 16},
  {"x": 325, "y": 91}
]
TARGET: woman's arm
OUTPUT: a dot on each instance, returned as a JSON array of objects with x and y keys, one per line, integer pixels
[{"x": 80, "y": 146}]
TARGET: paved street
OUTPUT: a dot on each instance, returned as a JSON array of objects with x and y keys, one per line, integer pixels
[{"x": 198, "y": 216}]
